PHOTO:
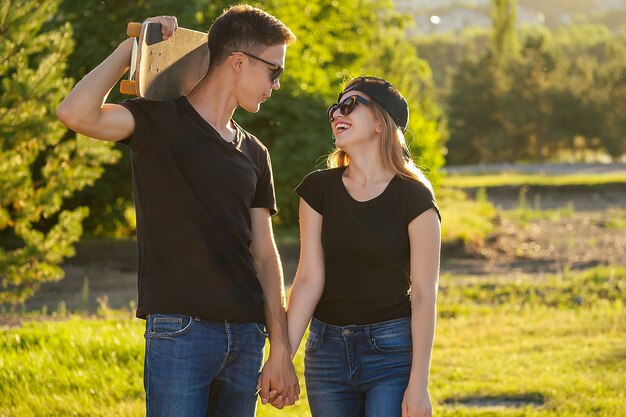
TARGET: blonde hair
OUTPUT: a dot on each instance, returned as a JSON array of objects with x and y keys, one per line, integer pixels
[{"x": 394, "y": 150}]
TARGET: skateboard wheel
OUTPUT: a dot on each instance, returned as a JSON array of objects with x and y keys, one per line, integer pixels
[
  {"x": 133, "y": 29},
  {"x": 128, "y": 87}
]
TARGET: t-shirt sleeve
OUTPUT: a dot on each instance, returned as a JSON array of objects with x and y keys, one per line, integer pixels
[
  {"x": 264, "y": 195},
  {"x": 419, "y": 199},
  {"x": 138, "y": 141},
  {"x": 311, "y": 189}
]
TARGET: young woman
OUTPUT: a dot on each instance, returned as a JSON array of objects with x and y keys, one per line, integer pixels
[{"x": 369, "y": 264}]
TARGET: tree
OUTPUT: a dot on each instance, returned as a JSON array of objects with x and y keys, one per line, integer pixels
[
  {"x": 480, "y": 129},
  {"x": 474, "y": 111},
  {"x": 395, "y": 57},
  {"x": 39, "y": 169},
  {"x": 504, "y": 16},
  {"x": 610, "y": 108},
  {"x": 444, "y": 51},
  {"x": 530, "y": 100}
]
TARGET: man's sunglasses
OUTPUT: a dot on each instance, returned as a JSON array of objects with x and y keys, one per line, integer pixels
[
  {"x": 277, "y": 70},
  {"x": 346, "y": 106}
]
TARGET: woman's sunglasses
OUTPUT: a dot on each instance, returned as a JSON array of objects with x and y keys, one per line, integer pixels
[
  {"x": 276, "y": 70},
  {"x": 346, "y": 106}
]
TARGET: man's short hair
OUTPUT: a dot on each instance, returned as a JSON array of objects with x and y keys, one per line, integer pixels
[{"x": 245, "y": 28}]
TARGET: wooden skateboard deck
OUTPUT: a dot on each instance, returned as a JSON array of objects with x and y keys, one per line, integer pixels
[{"x": 164, "y": 70}]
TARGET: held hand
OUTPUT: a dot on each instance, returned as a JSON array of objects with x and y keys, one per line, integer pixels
[
  {"x": 278, "y": 382},
  {"x": 169, "y": 24},
  {"x": 416, "y": 403},
  {"x": 265, "y": 395}
]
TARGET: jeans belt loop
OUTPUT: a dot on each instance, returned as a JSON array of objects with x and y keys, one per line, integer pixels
[{"x": 368, "y": 334}]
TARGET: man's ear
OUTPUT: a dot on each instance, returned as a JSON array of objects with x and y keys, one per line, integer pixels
[{"x": 237, "y": 62}]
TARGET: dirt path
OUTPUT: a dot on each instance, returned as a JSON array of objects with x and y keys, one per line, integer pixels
[{"x": 545, "y": 246}]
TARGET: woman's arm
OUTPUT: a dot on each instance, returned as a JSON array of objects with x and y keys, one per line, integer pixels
[
  {"x": 309, "y": 281},
  {"x": 425, "y": 240}
]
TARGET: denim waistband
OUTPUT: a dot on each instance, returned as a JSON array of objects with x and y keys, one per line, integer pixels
[{"x": 396, "y": 326}]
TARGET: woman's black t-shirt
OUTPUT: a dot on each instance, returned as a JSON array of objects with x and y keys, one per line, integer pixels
[{"x": 366, "y": 247}]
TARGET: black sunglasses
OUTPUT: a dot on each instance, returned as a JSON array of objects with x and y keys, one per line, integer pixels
[
  {"x": 277, "y": 70},
  {"x": 346, "y": 106}
]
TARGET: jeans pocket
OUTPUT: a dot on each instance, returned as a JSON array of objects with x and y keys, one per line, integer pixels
[
  {"x": 261, "y": 329},
  {"x": 393, "y": 343},
  {"x": 312, "y": 342},
  {"x": 169, "y": 325}
]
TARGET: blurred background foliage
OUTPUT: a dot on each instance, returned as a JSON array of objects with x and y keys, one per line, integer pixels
[
  {"x": 336, "y": 40},
  {"x": 508, "y": 93},
  {"x": 500, "y": 94},
  {"x": 533, "y": 92}
]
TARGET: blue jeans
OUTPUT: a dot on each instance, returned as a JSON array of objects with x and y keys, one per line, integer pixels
[
  {"x": 357, "y": 371},
  {"x": 199, "y": 368}
]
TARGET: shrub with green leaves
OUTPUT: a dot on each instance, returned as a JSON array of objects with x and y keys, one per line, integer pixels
[{"x": 39, "y": 170}]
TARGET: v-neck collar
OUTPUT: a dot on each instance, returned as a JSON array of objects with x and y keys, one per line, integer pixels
[{"x": 206, "y": 126}]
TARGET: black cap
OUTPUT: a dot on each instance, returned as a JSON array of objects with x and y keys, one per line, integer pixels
[{"x": 385, "y": 94}]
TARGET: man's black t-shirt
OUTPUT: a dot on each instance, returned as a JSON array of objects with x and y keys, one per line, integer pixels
[
  {"x": 366, "y": 247},
  {"x": 193, "y": 194}
]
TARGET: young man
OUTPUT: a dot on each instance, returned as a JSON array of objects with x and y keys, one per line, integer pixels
[{"x": 209, "y": 271}]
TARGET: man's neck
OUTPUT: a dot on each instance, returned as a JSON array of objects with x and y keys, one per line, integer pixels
[{"x": 213, "y": 99}]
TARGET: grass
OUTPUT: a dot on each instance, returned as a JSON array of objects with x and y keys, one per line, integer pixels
[
  {"x": 567, "y": 290},
  {"x": 508, "y": 179},
  {"x": 573, "y": 360},
  {"x": 524, "y": 214},
  {"x": 470, "y": 221},
  {"x": 462, "y": 219},
  {"x": 557, "y": 341},
  {"x": 617, "y": 219},
  {"x": 77, "y": 367}
]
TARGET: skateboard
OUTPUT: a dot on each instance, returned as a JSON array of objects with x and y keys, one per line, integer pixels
[{"x": 164, "y": 70}]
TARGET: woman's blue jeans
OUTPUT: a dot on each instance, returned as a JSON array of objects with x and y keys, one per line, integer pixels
[
  {"x": 358, "y": 371},
  {"x": 199, "y": 368}
]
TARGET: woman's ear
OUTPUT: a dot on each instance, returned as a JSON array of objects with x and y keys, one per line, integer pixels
[{"x": 379, "y": 128}]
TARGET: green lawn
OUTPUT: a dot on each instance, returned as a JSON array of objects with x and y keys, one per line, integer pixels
[
  {"x": 558, "y": 341},
  {"x": 508, "y": 179},
  {"x": 463, "y": 219}
]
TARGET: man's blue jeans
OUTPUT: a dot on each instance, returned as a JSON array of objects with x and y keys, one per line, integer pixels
[
  {"x": 357, "y": 371},
  {"x": 199, "y": 368}
]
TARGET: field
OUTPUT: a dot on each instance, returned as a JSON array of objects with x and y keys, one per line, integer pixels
[
  {"x": 532, "y": 316},
  {"x": 522, "y": 348}
]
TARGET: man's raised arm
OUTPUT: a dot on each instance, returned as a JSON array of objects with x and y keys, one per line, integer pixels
[{"x": 84, "y": 110}]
